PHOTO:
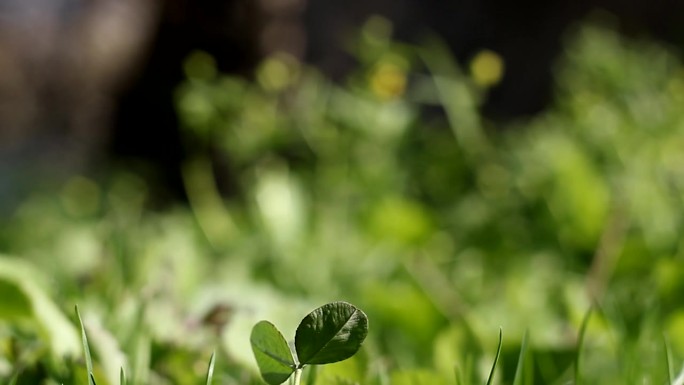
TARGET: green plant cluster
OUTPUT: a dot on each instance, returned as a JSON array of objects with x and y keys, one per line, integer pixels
[{"x": 390, "y": 191}]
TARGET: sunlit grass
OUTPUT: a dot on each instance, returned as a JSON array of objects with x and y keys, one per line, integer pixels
[{"x": 389, "y": 190}]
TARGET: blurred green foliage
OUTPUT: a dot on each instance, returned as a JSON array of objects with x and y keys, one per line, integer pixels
[{"x": 389, "y": 191}]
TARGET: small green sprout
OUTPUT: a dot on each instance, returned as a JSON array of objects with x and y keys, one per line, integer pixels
[{"x": 330, "y": 333}]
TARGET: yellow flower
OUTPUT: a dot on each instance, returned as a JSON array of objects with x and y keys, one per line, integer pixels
[
  {"x": 388, "y": 81},
  {"x": 487, "y": 68}
]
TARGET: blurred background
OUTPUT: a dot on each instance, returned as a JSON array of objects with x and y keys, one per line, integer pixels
[
  {"x": 182, "y": 169},
  {"x": 89, "y": 83}
]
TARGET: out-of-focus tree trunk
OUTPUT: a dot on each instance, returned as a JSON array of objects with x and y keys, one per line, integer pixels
[
  {"x": 80, "y": 79},
  {"x": 63, "y": 64}
]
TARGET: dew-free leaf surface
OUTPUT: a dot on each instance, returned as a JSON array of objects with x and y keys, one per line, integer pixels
[
  {"x": 331, "y": 333},
  {"x": 272, "y": 353}
]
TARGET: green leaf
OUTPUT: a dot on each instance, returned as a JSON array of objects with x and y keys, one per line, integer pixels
[
  {"x": 25, "y": 298},
  {"x": 331, "y": 333},
  {"x": 272, "y": 354}
]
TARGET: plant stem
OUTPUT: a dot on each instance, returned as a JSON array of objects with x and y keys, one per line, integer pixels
[{"x": 297, "y": 376}]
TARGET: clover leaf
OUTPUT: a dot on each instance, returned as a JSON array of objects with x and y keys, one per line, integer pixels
[{"x": 330, "y": 333}]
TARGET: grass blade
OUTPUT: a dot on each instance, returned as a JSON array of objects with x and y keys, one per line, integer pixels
[
  {"x": 86, "y": 350},
  {"x": 496, "y": 359},
  {"x": 122, "y": 377},
  {"x": 518, "y": 379},
  {"x": 14, "y": 379},
  {"x": 210, "y": 370},
  {"x": 580, "y": 344},
  {"x": 668, "y": 360}
]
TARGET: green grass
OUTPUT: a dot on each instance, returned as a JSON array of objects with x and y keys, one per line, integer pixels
[
  {"x": 388, "y": 190},
  {"x": 210, "y": 369},
  {"x": 86, "y": 350},
  {"x": 490, "y": 378}
]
